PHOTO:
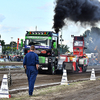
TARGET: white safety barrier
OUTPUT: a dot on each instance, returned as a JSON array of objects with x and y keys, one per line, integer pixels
[
  {"x": 4, "y": 90},
  {"x": 93, "y": 75},
  {"x": 64, "y": 80}
]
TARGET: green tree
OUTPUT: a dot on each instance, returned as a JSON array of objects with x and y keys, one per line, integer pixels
[
  {"x": 13, "y": 44},
  {"x": 64, "y": 48},
  {"x": 2, "y": 42}
]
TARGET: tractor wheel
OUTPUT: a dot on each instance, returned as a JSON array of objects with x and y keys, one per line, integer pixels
[
  {"x": 84, "y": 68},
  {"x": 77, "y": 69}
]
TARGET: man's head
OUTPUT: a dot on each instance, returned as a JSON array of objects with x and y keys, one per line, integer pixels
[{"x": 32, "y": 48}]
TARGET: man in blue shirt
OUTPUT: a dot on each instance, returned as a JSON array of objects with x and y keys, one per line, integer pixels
[{"x": 31, "y": 64}]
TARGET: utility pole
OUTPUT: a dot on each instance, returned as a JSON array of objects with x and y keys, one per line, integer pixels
[
  {"x": 0, "y": 45},
  {"x": 61, "y": 41},
  {"x": 0, "y": 40},
  {"x": 36, "y": 28}
]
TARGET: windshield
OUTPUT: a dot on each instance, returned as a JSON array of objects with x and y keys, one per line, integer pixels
[
  {"x": 44, "y": 42},
  {"x": 78, "y": 43},
  {"x": 39, "y": 43}
]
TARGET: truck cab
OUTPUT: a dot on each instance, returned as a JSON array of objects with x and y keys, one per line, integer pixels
[{"x": 46, "y": 43}]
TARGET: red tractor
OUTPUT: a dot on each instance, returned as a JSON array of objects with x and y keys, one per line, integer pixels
[{"x": 78, "y": 61}]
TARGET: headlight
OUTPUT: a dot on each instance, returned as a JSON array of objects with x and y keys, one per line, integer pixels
[{"x": 46, "y": 60}]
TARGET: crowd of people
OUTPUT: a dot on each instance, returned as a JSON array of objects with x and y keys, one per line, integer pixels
[{"x": 18, "y": 58}]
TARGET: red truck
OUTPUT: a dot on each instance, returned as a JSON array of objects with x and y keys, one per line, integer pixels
[{"x": 78, "y": 61}]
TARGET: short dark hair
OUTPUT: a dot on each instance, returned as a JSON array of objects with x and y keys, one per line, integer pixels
[{"x": 32, "y": 47}]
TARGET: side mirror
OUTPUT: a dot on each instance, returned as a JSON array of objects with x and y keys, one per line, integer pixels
[{"x": 54, "y": 44}]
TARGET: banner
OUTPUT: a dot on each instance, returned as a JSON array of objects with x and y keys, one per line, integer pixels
[{"x": 17, "y": 43}]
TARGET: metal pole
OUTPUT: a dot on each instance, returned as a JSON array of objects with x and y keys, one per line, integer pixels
[
  {"x": 9, "y": 78},
  {"x": 57, "y": 40},
  {"x": 36, "y": 28},
  {"x": 0, "y": 37},
  {"x": 12, "y": 44},
  {"x": 61, "y": 41},
  {"x": 0, "y": 45}
]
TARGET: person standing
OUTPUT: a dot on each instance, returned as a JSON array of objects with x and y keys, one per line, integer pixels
[{"x": 31, "y": 64}]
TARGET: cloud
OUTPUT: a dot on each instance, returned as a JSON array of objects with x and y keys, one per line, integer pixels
[
  {"x": 8, "y": 28},
  {"x": 46, "y": 6},
  {"x": 31, "y": 28},
  {"x": 7, "y": 32},
  {"x": 2, "y": 17},
  {"x": 65, "y": 42}
]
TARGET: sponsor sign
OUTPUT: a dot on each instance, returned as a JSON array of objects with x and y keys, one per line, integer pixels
[{"x": 40, "y": 47}]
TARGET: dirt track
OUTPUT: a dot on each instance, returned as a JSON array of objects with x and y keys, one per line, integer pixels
[
  {"x": 19, "y": 78},
  {"x": 86, "y": 90}
]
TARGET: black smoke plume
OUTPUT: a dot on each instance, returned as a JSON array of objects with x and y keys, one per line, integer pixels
[{"x": 84, "y": 11}]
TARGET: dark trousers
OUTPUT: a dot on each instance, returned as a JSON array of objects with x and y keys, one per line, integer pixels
[{"x": 31, "y": 74}]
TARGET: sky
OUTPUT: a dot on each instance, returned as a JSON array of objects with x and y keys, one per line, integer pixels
[{"x": 19, "y": 16}]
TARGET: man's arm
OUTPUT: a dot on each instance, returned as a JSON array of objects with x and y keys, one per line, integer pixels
[
  {"x": 37, "y": 62},
  {"x": 37, "y": 66}
]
